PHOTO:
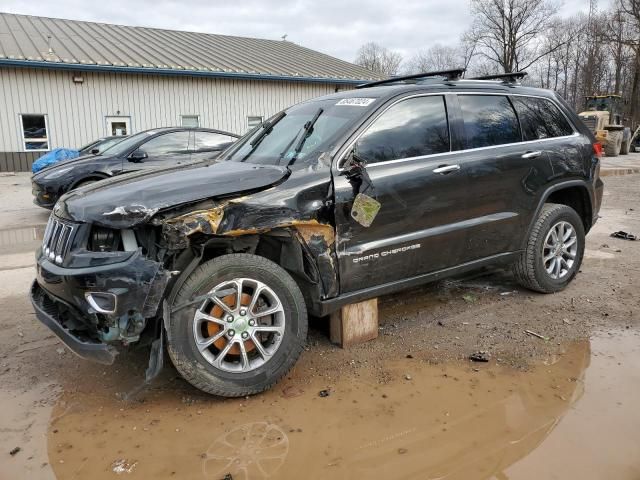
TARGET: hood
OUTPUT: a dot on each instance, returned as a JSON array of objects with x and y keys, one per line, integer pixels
[
  {"x": 73, "y": 162},
  {"x": 128, "y": 200}
]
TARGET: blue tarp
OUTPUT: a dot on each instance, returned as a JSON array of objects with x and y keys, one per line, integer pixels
[{"x": 54, "y": 156}]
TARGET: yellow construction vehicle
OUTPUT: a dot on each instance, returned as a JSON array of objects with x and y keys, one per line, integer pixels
[{"x": 603, "y": 116}]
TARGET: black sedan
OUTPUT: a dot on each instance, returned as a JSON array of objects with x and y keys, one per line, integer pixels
[{"x": 152, "y": 148}]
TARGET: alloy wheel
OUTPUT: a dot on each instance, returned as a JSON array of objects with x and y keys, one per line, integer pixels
[
  {"x": 559, "y": 250},
  {"x": 239, "y": 326}
]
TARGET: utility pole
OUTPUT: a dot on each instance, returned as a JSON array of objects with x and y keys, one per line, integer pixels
[{"x": 592, "y": 49}]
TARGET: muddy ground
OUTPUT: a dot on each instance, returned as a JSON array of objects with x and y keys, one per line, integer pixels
[{"x": 407, "y": 405}]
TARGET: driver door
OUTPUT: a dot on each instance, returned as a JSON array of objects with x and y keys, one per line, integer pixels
[{"x": 422, "y": 191}]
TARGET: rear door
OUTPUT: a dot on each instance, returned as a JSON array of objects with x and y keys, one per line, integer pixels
[
  {"x": 422, "y": 192},
  {"x": 498, "y": 167},
  {"x": 507, "y": 166}
]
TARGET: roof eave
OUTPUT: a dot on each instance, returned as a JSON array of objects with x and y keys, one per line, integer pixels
[{"x": 8, "y": 62}]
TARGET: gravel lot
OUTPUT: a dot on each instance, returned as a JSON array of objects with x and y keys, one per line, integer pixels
[{"x": 74, "y": 419}]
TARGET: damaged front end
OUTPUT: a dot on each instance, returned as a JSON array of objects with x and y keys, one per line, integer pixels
[
  {"x": 301, "y": 240},
  {"x": 113, "y": 258},
  {"x": 96, "y": 286}
]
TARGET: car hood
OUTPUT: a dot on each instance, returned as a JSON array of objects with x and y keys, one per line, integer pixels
[
  {"x": 73, "y": 162},
  {"x": 128, "y": 200}
]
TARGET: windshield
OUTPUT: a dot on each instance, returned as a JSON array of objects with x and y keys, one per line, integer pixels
[
  {"x": 287, "y": 139},
  {"x": 108, "y": 143},
  {"x": 128, "y": 143}
]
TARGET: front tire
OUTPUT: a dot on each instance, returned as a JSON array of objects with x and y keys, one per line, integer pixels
[
  {"x": 554, "y": 251},
  {"x": 245, "y": 330}
]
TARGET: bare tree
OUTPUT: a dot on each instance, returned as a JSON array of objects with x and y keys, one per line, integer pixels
[
  {"x": 511, "y": 33},
  {"x": 437, "y": 57},
  {"x": 379, "y": 59},
  {"x": 630, "y": 37}
]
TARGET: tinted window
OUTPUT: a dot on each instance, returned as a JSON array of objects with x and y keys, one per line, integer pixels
[
  {"x": 167, "y": 144},
  {"x": 488, "y": 120},
  {"x": 540, "y": 118},
  {"x": 207, "y": 141},
  {"x": 411, "y": 128}
]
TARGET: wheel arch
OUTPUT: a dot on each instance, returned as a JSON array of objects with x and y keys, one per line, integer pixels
[
  {"x": 97, "y": 176},
  {"x": 575, "y": 194},
  {"x": 286, "y": 247}
]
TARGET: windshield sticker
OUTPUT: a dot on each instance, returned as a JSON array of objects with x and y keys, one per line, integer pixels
[{"x": 356, "y": 102}]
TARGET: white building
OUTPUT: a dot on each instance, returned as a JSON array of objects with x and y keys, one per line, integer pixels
[{"x": 64, "y": 83}]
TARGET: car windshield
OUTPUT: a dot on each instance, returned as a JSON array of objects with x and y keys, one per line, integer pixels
[
  {"x": 128, "y": 143},
  {"x": 108, "y": 143},
  {"x": 288, "y": 139},
  {"x": 89, "y": 145}
]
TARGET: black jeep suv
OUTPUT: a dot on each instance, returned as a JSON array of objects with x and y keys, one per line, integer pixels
[{"x": 332, "y": 201}]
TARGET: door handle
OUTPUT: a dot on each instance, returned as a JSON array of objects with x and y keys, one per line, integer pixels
[
  {"x": 535, "y": 154},
  {"x": 444, "y": 169}
]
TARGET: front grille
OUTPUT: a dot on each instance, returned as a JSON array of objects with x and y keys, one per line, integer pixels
[{"x": 57, "y": 239}]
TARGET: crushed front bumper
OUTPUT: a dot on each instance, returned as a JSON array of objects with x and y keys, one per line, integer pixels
[
  {"x": 93, "y": 308},
  {"x": 49, "y": 311}
]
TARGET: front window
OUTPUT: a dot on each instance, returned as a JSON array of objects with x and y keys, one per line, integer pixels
[
  {"x": 35, "y": 135},
  {"x": 278, "y": 145},
  {"x": 411, "y": 128},
  {"x": 175, "y": 143}
]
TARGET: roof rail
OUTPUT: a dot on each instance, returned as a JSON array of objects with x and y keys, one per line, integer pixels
[
  {"x": 505, "y": 77},
  {"x": 453, "y": 74}
]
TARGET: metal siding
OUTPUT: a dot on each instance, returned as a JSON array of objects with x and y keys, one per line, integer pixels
[
  {"x": 17, "y": 161},
  {"x": 76, "y": 112}
]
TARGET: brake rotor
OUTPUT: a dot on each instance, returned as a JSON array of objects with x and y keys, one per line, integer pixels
[{"x": 214, "y": 328}]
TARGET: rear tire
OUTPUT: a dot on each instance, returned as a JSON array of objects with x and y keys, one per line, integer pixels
[
  {"x": 532, "y": 269},
  {"x": 218, "y": 369},
  {"x": 614, "y": 143}
]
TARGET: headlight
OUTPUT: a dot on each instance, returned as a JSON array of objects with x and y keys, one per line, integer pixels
[
  {"x": 104, "y": 240},
  {"x": 109, "y": 240}
]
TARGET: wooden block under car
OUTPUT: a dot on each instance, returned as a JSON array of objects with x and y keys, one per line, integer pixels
[{"x": 355, "y": 323}]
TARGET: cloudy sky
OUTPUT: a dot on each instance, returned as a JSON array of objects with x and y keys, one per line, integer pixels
[{"x": 336, "y": 27}]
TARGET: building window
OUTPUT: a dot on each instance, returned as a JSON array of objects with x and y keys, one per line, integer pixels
[
  {"x": 190, "y": 121},
  {"x": 253, "y": 122},
  {"x": 35, "y": 134}
]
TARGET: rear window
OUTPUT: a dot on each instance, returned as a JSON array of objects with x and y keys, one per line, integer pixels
[
  {"x": 411, "y": 128},
  {"x": 540, "y": 118},
  {"x": 488, "y": 120}
]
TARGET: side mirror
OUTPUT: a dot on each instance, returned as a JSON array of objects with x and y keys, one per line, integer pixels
[
  {"x": 137, "y": 156},
  {"x": 354, "y": 163},
  {"x": 95, "y": 151}
]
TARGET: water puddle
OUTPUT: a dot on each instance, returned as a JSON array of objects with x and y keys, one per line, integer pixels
[{"x": 573, "y": 416}]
